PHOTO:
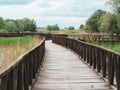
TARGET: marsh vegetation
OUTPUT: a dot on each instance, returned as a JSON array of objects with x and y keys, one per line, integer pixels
[{"x": 11, "y": 48}]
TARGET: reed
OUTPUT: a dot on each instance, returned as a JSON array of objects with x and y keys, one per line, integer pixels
[
  {"x": 115, "y": 46},
  {"x": 11, "y": 48}
]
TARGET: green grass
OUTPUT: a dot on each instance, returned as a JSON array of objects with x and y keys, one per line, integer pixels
[
  {"x": 13, "y": 47},
  {"x": 15, "y": 40},
  {"x": 115, "y": 46},
  {"x": 64, "y": 31}
]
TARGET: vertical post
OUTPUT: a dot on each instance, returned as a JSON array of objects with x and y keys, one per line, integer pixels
[
  {"x": 94, "y": 57},
  {"x": 118, "y": 73},
  {"x": 26, "y": 75},
  {"x": 111, "y": 69},
  {"x": 98, "y": 60},
  {"x": 3, "y": 85},
  {"x": 103, "y": 63},
  {"x": 20, "y": 80}
]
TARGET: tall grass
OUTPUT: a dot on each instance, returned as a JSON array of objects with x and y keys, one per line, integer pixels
[
  {"x": 115, "y": 46},
  {"x": 64, "y": 31},
  {"x": 11, "y": 48}
]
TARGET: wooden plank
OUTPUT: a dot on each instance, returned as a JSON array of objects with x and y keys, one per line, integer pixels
[{"x": 63, "y": 70}]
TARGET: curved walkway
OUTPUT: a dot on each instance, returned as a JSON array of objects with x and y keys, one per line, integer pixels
[{"x": 63, "y": 70}]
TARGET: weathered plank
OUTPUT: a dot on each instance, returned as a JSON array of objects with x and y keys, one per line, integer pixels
[{"x": 63, "y": 70}]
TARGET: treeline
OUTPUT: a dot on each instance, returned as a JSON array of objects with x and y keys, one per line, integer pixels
[
  {"x": 56, "y": 28},
  {"x": 103, "y": 21},
  {"x": 52, "y": 27},
  {"x": 18, "y": 25}
]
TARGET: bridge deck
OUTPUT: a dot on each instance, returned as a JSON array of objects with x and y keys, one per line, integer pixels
[{"x": 63, "y": 70}]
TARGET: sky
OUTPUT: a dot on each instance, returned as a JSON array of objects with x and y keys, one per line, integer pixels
[{"x": 50, "y": 12}]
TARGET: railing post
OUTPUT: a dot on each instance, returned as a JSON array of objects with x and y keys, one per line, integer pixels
[
  {"x": 98, "y": 60},
  {"x": 20, "y": 80},
  {"x": 103, "y": 63},
  {"x": 94, "y": 57},
  {"x": 3, "y": 85},
  {"x": 90, "y": 56},
  {"x": 87, "y": 53},
  {"x": 111, "y": 69},
  {"x": 10, "y": 81},
  {"x": 30, "y": 69},
  {"x": 118, "y": 73},
  {"x": 26, "y": 74}
]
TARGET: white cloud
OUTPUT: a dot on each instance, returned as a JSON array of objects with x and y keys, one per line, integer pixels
[
  {"x": 14, "y": 2},
  {"x": 63, "y": 12}
]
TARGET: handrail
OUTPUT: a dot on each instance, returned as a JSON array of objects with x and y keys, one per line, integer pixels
[
  {"x": 96, "y": 37},
  {"x": 19, "y": 75},
  {"x": 21, "y": 34},
  {"x": 84, "y": 37},
  {"x": 102, "y": 60}
]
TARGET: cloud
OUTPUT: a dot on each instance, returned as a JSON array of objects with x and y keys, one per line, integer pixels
[
  {"x": 61, "y": 21},
  {"x": 63, "y": 12},
  {"x": 13, "y": 2}
]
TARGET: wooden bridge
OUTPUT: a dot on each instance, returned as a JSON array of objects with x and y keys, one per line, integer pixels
[
  {"x": 79, "y": 66},
  {"x": 64, "y": 70}
]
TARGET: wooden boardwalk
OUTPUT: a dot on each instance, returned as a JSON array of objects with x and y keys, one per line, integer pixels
[{"x": 63, "y": 70}]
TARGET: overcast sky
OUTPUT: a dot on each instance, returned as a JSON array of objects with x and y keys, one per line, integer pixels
[{"x": 63, "y": 12}]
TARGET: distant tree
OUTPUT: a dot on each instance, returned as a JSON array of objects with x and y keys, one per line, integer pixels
[
  {"x": 115, "y": 4},
  {"x": 81, "y": 26},
  {"x": 65, "y": 28},
  {"x": 33, "y": 25},
  {"x": 10, "y": 26},
  {"x": 92, "y": 23},
  {"x": 19, "y": 25},
  {"x": 1, "y": 22},
  {"x": 71, "y": 28},
  {"x": 48, "y": 28},
  {"x": 106, "y": 23},
  {"x": 109, "y": 23},
  {"x": 117, "y": 31},
  {"x": 56, "y": 27},
  {"x": 52, "y": 27},
  {"x": 29, "y": 24}
]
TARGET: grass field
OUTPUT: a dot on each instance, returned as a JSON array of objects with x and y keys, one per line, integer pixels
[
  {"x": 11, "y": 48},
  {"x": 115, "y": 46},
  {"x": 65, "y": 32}
]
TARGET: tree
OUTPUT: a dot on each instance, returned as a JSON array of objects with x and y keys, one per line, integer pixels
[
  {"x": 81, "y": 26},
  {"x": 10, "y": 26},
  {"x": 1, "y": 22},
  {"x": 29, "y": 24},
  {"x": 118, "y": 24},
  {"x": 19, "y": 25},
  {"x": 56, "y": 27},
  {"x": 92, "y": 23},
  {"x": 115, "y": 4},
  {"x": 52, "y": 27},
  {"x": 71, "y": 28},
  {"x": 106, "y": 24}
]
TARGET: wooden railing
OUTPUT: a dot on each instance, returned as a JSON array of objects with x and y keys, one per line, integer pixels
[
  {"x": 96, "y": 37},
  {"x": 20, "y": 74},
  {"x": 105, "y": 62},
  {"x": 83, "y": 37},
  {"x": 21, "y": 34}
]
